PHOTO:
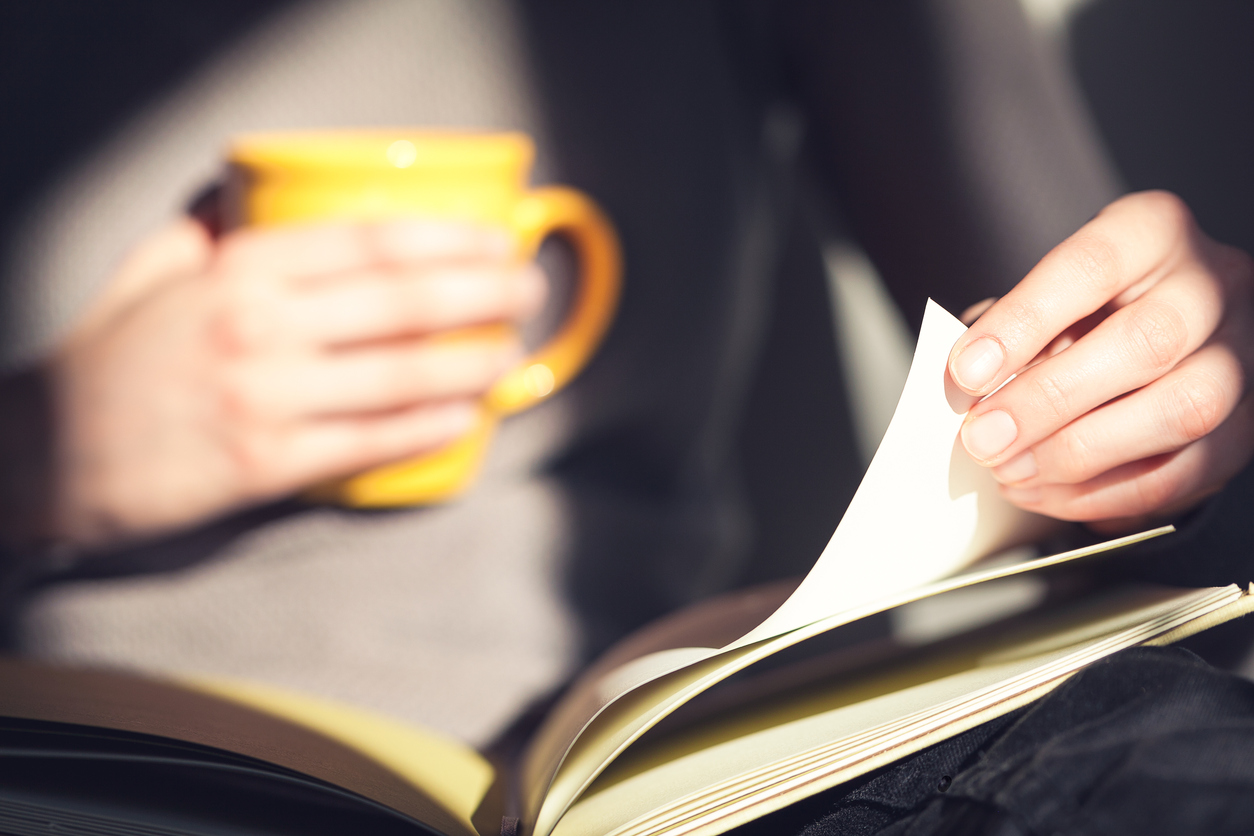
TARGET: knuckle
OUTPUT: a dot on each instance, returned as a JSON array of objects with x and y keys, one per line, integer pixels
[
  {"x": 252, "y": 455},
  {"x": 237, "y": 247},
  {"x": 1155, "y": 489},
  {"x": 231, "y": 331},
  {"x": 369, "y": 241},
  {"x": 242, "y": 401},
  {"x": 363, "y": 448},
  {"x": 371, "y": 443},
  {"x": 1096, "y": 262},
  {"x": 1078, "y": 509},
  {"x": 240, "y": 323},
  {"x": 1028, "y": 320},
  {"x": 1156, "y": 333},
  {"x": 1076, "y": 459},
  {"x": 487, "y": 365},
  {"x": 1196, "y": 407},
  {"x": 379, "y": 444},
  {"x": 1069, "y": 503},
  {"x": 403, "y": 375},
  {"x": 1169, "y": 208},
  {"x": 235, "y": 400},
  {"x": 1053, "y": 399},
  {"x": 425, "y": 373},
  {"x": 410, "y": 300}
]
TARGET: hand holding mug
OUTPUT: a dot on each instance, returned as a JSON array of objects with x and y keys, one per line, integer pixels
[
  {"x": 350, "y": 321},
  {"x": 216, "y": 374},
  {"x": 369, "y": 175}
]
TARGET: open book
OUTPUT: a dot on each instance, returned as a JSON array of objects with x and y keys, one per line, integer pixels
[{"x": 712, "y": 718}]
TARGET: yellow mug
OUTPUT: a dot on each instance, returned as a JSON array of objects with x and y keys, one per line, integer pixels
[{"x": 375, "y": 174}]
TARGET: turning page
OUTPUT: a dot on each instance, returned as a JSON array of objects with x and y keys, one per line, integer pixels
[{"x": 923, "y": 510}]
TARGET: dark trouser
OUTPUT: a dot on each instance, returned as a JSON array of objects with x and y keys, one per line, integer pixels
[{"x": 1151, "y": 740}]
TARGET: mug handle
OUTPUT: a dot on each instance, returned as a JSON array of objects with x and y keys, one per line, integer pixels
[{"x": 542, "y": 212}]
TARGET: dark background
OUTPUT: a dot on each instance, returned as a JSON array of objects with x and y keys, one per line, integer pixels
[{"x": 1171, "y": 85}]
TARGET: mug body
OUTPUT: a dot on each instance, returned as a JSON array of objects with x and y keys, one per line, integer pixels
[
  {"x": 380, "y": 174},
  {"x": 385, "y": 173},
  {"x": 376, "y": 174}
]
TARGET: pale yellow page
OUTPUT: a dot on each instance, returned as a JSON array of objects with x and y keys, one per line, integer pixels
[{"x": 450, "y": 774}]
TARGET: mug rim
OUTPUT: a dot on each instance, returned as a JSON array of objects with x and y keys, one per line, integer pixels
[{"x": 380, "y": 149}]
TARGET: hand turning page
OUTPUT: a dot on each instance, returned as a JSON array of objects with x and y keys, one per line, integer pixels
[{"x": 923, "y": 512}]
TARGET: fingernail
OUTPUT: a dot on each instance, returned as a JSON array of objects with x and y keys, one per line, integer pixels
[
  {"x": 1019, "y": 469},
  {"x": 977, "y": 365},
  {"x": 1024, "y": 496},
  {"x": 988, "y": 435}
]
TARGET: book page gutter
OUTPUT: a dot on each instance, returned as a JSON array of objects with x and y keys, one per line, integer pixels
[
  {"x": 923, "y": 511},
  {"x": 450, "y": 779}
]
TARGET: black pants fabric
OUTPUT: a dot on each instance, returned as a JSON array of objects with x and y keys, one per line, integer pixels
[{"x": 1149, "y": 741}]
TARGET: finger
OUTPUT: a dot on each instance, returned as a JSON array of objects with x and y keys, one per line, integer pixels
[
  {"x": 1069, "y": 337},
  {"x": 1159, "y": 485},
  {"x": 1172, "y": 412},
  {"x": 1129, "y": 246},
  {"x": 177, "y": 251},
  {"x": 314, "y": 451},
  {"x": 378, "y": 305},
  {"x": 385, "y": 377},
  {"x": 305, "y": 252},
  {"x": 1132, "y": 347}
]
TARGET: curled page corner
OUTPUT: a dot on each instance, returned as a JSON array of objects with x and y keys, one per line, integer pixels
[{"x": 923, "y": 510}]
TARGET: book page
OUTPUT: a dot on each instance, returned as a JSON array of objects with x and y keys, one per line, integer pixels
[
  {"x": 348, "y": 748},
  {"x": 759, "y": 759},
  {"x": 621, "y": 721},
  {"x": 446, "y": 771},
  {"x": 923, "y": 511}
]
